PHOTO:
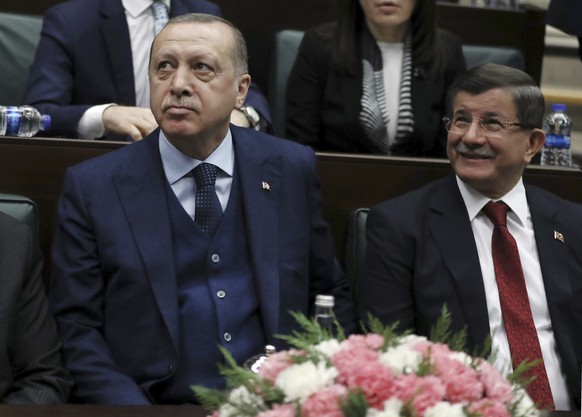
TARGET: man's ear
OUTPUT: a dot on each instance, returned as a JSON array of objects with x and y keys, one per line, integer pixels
[
  {"x": 537, "y": 138},
  {"x": 244, "y": 83}
]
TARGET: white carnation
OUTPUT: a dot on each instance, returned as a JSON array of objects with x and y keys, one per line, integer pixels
[
  {"x": 524, "y": 406},
  {"x": 328, "y": 347},
  {"x": 401, "y": 359},
  {"x": 298, "y": 382},
  {"x": 237, "y": 397},
  {"x": 410, "y": 339},
  {"x": 444, "y": 408},
  {"x": 392, "y": 408}
]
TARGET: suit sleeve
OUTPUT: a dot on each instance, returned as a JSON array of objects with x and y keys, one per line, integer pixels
[
  {"x": 38, "y": 374},
  {"x": 77, "y": 299},
  {"x": 51, "y": 80},
  {"x": 385, "y": 288}
]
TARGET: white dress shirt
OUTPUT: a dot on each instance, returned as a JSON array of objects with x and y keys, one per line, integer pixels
[
  {"x": 140, "y": 21},
  {"x": 178, "y": 169},
  {"x": 520, "y": 225}
]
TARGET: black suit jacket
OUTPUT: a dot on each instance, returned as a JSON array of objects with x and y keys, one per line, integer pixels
[
  {"x": 421, "y": 254},
  {"x": 30, "y": 363},
  {"x": 323, "y": 103}
]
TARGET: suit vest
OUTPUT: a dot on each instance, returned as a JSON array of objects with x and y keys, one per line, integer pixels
[{"x": 217, "y": 299}]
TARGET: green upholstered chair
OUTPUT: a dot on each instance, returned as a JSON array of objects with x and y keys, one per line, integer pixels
[
  {"x": 21, "y": 208},
  {"x": 19, "y": 36}
]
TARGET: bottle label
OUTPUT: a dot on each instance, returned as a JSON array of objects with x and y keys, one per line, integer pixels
[
  {"x": 557, "y": 141},
  {"x": 12, "y": 121}
]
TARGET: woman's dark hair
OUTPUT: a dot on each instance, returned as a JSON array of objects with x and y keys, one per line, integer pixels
[{"x": 427, "y": 53}]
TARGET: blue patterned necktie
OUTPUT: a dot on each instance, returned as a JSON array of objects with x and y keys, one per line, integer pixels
[
  {"x": 160, "y": 15},
  {"x": 208, "y": 209}
]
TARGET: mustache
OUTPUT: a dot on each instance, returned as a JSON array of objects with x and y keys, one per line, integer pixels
[
  {"x": 477, "y": 151},
  {"x": 186, "y": 102}
]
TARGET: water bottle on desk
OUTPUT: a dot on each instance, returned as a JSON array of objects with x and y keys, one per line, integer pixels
[
  {"x": 558, "y": 126},
  {"x": 2, "y": 120},
  {"x": 324, "y": 312},
  {"x": 25, "y": 121}
]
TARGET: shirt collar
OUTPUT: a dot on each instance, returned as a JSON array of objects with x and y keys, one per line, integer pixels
[
  {"x": 137, "y": 7},
  {"x": 177, "y": 165},
  {"x": 516, "y": 200}
]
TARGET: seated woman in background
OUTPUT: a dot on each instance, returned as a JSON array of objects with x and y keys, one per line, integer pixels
[{"x": 375, "y": 81}]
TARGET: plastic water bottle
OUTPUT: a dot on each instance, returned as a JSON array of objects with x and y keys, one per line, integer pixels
[
  {"x": 2, "y": 120},
  {"x": 557, "y": 126},
  {"x": 25, "y": 121},
  {"x": 324, "y": 312}
]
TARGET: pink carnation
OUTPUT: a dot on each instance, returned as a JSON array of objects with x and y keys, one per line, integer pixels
[
  {"x": 281, "y": 410},
  {"x": 370, "y": 341},
  {"x": 325, "y": 402},
  {"x": 348, "y": 359},
  {"x": 374, "y": 380},
  {"x": 423, "y": 392},
  {"x": 496, "y": 386},
  {"x": 489, "y": 408},
  {"x": 276, "y": 363},
  {"x": 462, "y": 382}
]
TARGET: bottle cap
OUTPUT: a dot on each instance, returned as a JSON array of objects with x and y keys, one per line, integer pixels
[
  {"x": 324, "y": 300},
  {"x": 558, "y": 107},
  {"x": 46, "y": 122}
]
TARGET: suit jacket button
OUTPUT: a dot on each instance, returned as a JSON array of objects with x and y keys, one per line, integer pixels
[{"x": 215, "y": 258}]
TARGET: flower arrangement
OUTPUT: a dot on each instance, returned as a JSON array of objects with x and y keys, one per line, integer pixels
[{"x": 377, "y": 374}]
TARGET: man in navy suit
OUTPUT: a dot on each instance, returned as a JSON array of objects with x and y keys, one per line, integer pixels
[
  {"x": 90, "y": 69},
  {"x": 433, "y": 247},
  {"x": 143, "y": 296}
]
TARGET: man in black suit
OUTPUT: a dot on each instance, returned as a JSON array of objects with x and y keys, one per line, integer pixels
[
  {"x": 30, "y": 363},
  {"x": 433, "y": 246}
]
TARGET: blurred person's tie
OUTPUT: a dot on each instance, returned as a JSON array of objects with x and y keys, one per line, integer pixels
[
  {"x": 517, "y": 316},
  {"x": 208, "y": 210},
  {"x": 160, "y": 15}
]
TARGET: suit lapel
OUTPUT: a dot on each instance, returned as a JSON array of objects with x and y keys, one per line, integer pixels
[
  {"x": 552, "y": 252},
  {"x": 142, "y": 192},
  {"x": 451, "y": 229},
  {"x": 261, "y": 185},
  {"x": 115, "y": 34}
]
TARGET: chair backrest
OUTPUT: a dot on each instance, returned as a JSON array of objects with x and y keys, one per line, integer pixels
[
  {"x": 479, "y": 54},
  {"x": 21, "y": 208},
  {"x": 355, "y": 248},
  {"x": 285, "y": 52},
  {"x": 19, "y": 36}
]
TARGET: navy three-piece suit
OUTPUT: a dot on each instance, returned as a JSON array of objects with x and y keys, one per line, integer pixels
[{"x": 115, "y": 292}]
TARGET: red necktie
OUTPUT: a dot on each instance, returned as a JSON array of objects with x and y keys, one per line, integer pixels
[{"x": 517, "y": 317}]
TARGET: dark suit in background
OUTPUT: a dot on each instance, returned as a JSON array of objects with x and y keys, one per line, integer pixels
[
  {"x": 323, "y": 103},
  {"x": 31, "y": 371},
  {"x": 84, "y": 59},
  {"x": 566, "y": 15}
]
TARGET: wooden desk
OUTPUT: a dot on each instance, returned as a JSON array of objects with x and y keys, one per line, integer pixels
[
  {"x": 136, "y": 411},
  {"x": 35, "y": 167}
]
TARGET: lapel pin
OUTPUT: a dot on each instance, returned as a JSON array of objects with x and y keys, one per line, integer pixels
[
  {"x": 266, "y": 186},
  {"x": 558, "y": 236}
]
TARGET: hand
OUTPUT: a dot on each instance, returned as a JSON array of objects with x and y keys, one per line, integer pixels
[
  {"x": 136, "y": 122},
  {"x": 238, "y": 118}
]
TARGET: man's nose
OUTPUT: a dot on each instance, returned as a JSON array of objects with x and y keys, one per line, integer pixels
[{"x": 181, "y": 83}]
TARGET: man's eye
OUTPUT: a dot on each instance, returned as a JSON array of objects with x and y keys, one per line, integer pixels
[
  {"x": 461, "y": 121},
  {"x": 492, "y": 125},
  {"x": 164, "y": 65},
  {"x": 202, "y": 67}
]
